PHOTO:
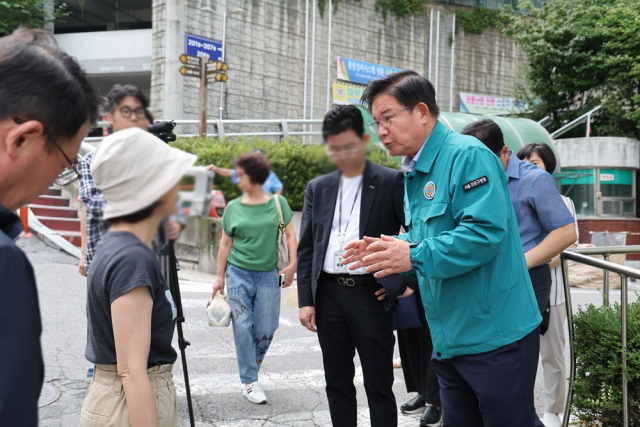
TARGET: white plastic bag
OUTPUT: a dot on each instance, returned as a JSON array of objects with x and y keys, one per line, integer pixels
[{"x": 219, "y": 311}]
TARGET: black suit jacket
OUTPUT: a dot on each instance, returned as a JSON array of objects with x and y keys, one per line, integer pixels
[{"x": 381, "y": 212}]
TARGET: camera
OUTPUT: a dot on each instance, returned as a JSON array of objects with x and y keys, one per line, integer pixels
[{"x": 163, "y": 130}]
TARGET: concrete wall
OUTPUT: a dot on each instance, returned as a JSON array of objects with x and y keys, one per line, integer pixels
[
  {"x": 611, "y": 152},
  {"x": 199, "y": 243},
  {"x": 266, "y": 52}
]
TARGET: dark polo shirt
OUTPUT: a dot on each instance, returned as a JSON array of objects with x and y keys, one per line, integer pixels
[{"x": 21, "y": 364}]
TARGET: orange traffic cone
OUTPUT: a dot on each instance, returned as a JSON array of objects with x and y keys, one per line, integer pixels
[{"x": 24, "y": 217}]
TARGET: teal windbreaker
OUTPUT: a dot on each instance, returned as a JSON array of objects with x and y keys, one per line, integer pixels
[{"x": 465, "y": 247}]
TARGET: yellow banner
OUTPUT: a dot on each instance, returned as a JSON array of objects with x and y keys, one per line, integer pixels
[{"x": 345, "y": 93}]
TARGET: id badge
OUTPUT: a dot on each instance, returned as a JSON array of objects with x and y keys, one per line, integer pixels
[{"x": 337, "y": 262}]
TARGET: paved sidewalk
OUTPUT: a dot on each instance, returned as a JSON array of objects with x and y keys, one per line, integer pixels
[{"x": 292, "y": 374}]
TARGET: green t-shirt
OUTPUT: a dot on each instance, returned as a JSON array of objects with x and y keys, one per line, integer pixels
[{"x": 254, "y": 230}]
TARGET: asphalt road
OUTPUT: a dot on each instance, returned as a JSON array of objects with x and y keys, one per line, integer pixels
[{"x": 292, "y": 373}]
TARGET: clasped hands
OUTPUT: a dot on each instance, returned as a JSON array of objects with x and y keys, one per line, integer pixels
[{"x": 386, "y": 255}]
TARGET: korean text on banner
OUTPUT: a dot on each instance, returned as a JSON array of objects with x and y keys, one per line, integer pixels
[
  {"x": 344, "y": 93},
  {"x": 362, "y": 72},
  {"x": 488, "y": 104}
]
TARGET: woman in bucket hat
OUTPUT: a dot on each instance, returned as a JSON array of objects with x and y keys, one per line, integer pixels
[{"x": 130, "y": 313}]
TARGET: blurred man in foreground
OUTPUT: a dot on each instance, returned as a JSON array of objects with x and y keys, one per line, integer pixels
[{"x": 48, "y": 104}]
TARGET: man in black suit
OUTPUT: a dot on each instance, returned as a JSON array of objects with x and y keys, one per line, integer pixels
[{"x": 345, "y": 306}]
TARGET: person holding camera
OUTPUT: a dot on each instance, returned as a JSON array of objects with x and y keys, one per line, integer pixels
[
  {"x": 127, "y": 107},
  {"x": 37, "y": 143},
  {"x": 131, "y": 314},
  {"x": 247, "y": 263}
]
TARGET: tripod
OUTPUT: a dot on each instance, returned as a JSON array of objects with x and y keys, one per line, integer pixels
[{"x": 167, "y": 259}]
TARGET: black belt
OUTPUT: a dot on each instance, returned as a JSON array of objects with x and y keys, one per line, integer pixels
[{"x": 349, "y": 280}]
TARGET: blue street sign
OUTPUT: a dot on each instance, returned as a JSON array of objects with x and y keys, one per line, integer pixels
[{"x": 200, "y": 46}]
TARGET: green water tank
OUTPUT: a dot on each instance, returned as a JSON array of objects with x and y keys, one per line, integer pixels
[{"x": 517, "y": 132}]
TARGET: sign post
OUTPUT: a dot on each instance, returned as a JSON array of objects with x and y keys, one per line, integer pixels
[
  {"x": 207, "y": 72},
  {"x": 203, "y": 96}
]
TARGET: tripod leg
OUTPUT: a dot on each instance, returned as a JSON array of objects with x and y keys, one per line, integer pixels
[{"x": 174, "y": 287}]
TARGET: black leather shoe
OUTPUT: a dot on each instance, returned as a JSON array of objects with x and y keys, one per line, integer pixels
[
  {"x": 414, "y": 406},
  {"x": 431, "y": 417}
]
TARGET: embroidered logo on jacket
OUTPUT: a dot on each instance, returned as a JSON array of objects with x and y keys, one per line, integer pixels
[{"x": 430, "y": 190}]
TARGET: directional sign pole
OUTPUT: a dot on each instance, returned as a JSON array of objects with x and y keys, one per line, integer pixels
[
  {"x": 203, "y": 96},
  {"x": 208, "y": 73}
]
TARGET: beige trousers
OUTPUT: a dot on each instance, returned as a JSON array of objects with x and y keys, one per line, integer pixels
[
  {"x": 105, "y": 404},
  {"x": 552, "y": 345}
]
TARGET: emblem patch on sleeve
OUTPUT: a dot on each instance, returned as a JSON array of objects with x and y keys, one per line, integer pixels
[{"x": 475, "y": 183}]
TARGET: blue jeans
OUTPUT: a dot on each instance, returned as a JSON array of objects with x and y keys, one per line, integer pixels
[{"x": 254, "y": 297}]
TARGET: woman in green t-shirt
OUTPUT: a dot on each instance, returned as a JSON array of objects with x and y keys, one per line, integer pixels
[{"x": 247, "y": 263}]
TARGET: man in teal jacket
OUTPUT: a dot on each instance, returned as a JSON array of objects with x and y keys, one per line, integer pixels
[{"x": 464, "y": 245}]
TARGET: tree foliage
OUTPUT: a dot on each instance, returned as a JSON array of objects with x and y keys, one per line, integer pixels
[
  {"x": 478, "y": 19},
  {"x": 29, "y": 13},
  {"x": 400, "y": 8},
  {"x": 581, "y": 54}
]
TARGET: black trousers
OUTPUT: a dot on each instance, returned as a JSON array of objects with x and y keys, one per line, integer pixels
[
  {"x": 491, "y": 389},
  {"x": 350, "y": 318},
  {"x": 541, "y": 281},
  {"x": 415, "y": 351}
]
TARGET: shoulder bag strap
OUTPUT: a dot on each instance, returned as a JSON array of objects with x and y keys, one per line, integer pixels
[{"x": 280, "y": 219}]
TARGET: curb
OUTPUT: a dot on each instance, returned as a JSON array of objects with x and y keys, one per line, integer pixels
[{"x": 51, "y": 238}]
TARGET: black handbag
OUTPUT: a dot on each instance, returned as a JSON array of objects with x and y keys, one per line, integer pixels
[{"x": 406, "y": 313}]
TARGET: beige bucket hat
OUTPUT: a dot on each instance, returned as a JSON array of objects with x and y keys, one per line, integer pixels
[{"x": 133, "y": 169}]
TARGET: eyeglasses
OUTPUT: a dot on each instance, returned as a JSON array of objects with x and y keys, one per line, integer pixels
[
  {"x": 385, "y": 121},
  {"x": 70, "y": 173},
  {"x": 140, "y": 112},
  {"x": 344, "y": 152}
]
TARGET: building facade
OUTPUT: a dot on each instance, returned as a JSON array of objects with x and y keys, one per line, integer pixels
[{"x": 274, "y": 47}]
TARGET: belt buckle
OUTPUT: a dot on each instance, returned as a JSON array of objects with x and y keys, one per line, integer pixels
[{"x": 346, "y": 281}]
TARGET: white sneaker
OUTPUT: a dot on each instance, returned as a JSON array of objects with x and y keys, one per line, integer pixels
[
  {"x": 551, "y": 420},
  {"x": 254, "y": 393}
]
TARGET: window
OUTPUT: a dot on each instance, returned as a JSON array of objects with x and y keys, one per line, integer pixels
[
  {"x": 616, "y": 189},
  {"x": 579, "y": 185},
  {"x": 105, "y": 15}
]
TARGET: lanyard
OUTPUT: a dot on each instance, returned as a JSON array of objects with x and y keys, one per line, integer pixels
[{"x": 340, "y": 236}]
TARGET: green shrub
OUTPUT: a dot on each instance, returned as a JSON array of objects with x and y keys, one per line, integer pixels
[
  {"x": 295, "y": 163},
  {"x": 597, "y": 390}
]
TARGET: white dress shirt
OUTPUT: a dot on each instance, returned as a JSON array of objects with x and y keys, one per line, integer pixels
[{"x": 348, "y": 226}]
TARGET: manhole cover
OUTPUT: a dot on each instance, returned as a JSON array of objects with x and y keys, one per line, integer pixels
[{"x": 48, "y": 395}]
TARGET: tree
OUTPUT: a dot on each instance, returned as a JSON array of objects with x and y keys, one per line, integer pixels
[
  {"x": 30, "y": 13},
  {"x": 581, "y": 54}
]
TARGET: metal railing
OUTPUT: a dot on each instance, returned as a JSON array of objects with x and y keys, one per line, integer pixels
[
  {"x": 566, "y": 128},
  {"x": 580, "y": 255},
  {"x": 280, "y": 128}
]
